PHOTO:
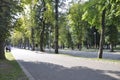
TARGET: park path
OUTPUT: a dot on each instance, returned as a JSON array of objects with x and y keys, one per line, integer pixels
[{"x": 45, "y": 66}]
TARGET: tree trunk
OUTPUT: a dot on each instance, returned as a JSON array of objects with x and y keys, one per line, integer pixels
[
  {"x": 2, "y": 53},
  {"x": 42, "y": 37},
  {"x": 111, "y": 47},
  {"x": 24, "y": 44},
  {"x": 28, "y": 44},
  {"x": 43, "y": 28},
  {"x": 56, "y": 26},
  {"x": 100, "y": 52},
  {"x": 32, "y": 37}
]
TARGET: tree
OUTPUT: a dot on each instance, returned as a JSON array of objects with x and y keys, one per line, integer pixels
[
  {"x": 100, "y": 52},
  {"x": 65, "y": 38},
  {"x": 77, "y": 25},
  {"x": 111, "y": 36},
  {"x": 99, "y": 9},
  {"x": 44, "y": 21},
  {"x": 112, "y": 24},
  {"x": 56, "y": 26},
  {"x": 8, "y": 10},
  {"x": 25, "y": 24},
  {"x": 43, "y": 26}
]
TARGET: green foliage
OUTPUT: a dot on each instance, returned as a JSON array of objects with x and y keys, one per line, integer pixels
[
  {"x": 78, "y": 26},
  {"x": 74, "y": 24},
  {"x": 110, "y": 37},
  {"x": 93, "y": 9},
  {"x": 65, "y": 38},
  {"x": 9, "y": 11},
  {"x": 22, "y": 28},
  {"x": 9, "y": 8}
]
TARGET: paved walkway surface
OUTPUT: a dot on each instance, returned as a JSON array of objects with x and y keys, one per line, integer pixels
[{"x": 45, "y": 66}]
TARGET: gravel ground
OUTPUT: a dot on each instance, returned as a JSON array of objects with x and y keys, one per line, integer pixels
[{"x": 106, "y": 55}]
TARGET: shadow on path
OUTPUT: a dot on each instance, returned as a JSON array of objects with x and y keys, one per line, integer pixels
[{"x": 50, "y": 71}]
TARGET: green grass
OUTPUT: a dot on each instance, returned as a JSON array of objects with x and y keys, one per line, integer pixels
[
  {"x": 10, "y": 70},
  {"x": 117, "y": 48}
]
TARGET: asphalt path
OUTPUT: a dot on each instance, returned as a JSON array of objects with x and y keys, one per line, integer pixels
[{"x": 47, "y": 66}]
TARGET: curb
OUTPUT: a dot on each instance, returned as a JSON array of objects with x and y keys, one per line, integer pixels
[
  {"x": 25, "y": 71},
  {"x": 30, "y": 77}
]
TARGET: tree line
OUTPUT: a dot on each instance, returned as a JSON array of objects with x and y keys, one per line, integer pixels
[{"x": 52, "y": 24}]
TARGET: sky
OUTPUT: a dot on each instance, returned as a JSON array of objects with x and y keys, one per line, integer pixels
[{"x": 67, "y": 4}]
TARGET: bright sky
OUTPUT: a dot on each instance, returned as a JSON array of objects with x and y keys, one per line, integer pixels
[{"x": 67, "y": 4}]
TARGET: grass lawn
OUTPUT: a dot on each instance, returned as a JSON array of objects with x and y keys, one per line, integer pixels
[{"x": 10, "y": 70}]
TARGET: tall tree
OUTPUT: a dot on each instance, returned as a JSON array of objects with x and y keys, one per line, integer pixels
[
  {"x": 8, "y": 8},
  {"x": 43, "y": 26},
  {"x": 111, "y": 36},
  {"x": 43, "y": 18},
  {"x": 77, "y": 25},
  {"x": 98, "y": 18},
  {"x": 112, "y": 23},
  {"x": 100, "y": 52},
  {"x": 56, "y": 26}
]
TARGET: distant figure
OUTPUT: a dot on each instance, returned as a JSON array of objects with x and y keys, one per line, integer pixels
[{"x": 8, "y": 48}]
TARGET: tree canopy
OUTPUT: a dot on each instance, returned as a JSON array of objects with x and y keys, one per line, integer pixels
[{"x": 56, "y": 24}]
